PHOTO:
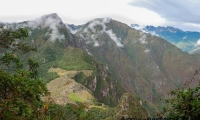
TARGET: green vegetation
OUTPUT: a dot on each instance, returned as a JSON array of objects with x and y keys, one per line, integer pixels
[
  {"x": 20, "y": 88},
  {"x": 50, "y": 55},
  {"x": 101, "y": 81},
  {"x": 80, "y": 77},
  {"x": 75, "y": 98},
  {"x": 80, "y": 112},
  {"x": 184, "y": 103},
  {"x": 146, "y": 65},
  {"x": 73, "y": 59},
  {"x": 50, "y": 76}
]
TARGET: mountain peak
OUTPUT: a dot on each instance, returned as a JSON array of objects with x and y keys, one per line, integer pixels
[
  {"x": 48, "y": 19},
  {"x": 52, "y": 16},
  {"x": 185, "y": 40},
  {"x": 93, "y": 29}
]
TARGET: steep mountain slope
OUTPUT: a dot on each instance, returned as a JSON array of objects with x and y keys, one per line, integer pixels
[
  {"x": 58, "y": 48},
  {"x": 185, "y": 40},
  {"x": 146, "y": 65}
]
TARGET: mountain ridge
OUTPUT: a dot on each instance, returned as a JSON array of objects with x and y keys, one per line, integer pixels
[
  {"x": 146, "y": 65},
  {"x": 185, "y": 40}
]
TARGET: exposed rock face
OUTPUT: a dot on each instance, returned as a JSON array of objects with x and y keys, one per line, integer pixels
[
  {"x": 93, "y": 85},
  {"x": 130, "y": 107},
  {"x": 105, "y": 88},
  {"x": 146, "y": 65}
]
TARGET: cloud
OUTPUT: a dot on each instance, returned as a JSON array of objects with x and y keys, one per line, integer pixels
[
  {"x": 144, "y": 12},
  {"x": 88, "y": 52},
  {"x": 185, "y": 37},
  {"x": 198, "y": 43},
  {"x": 114, "y": 38},
  {"x": 110, "y": 33},
  {"x": 153, "y": 33},
  {"x": 173, "y": 10},
  {"x": 143, "y": 29},
  {"x": 147, "y": 50},
  {"x": 186, "y": 45},
  {"x": 52, "y": 21},
  {"x": 96, "y": 43},
  {"x": 71, "y": 30},
  {"x": 143, "y": 39}
]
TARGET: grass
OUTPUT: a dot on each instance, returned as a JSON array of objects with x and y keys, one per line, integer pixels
[
  {"x": 75, "y": 97},
  {"x": 70, "y": 73},
  {"x": 72, "y": 60}
]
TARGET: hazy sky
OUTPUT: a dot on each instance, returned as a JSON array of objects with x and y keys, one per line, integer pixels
[{"x": 183, "y": 14}]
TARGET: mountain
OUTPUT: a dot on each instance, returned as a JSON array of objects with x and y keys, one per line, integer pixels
[
  {"x": 121, "y": 60},
  {"x": 2, "y": 24},
  {"x": 185, "y": 40},
  {"x": 71, "y": 73},
  {"x": 146, "y": 65},
  {"x": 73, "y": 28}
]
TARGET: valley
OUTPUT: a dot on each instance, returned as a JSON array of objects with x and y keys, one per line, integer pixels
[{"x": 109, "y": 66}]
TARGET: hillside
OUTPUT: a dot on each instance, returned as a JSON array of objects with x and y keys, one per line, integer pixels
[
  {"x": 146, "y": 65},
  {"x": 59, "y": 52},
  {"x": 120, "y": 60}
]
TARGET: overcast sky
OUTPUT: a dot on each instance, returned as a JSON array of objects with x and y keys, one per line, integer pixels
[{"x": 183, "y": 14}]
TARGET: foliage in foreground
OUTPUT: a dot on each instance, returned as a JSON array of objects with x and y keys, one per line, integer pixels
[
  {"x": 185, "y": 103},
  {"x": 20, "y": 87},
  {"x": 79, "y": 112}
]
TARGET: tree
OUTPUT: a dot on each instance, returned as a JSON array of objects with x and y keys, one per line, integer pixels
[
  {"x": 20, "y": 88},
  {"x": 185, "y": 103}
]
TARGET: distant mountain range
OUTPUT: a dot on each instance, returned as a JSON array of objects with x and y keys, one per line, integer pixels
[
  {"x": 185, "y": 40},
  {"x": 120, "y": 58}
]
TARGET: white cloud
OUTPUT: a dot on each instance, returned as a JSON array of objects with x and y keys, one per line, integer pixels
[
  {"x": 71, "y": 30},
  {"x": 51, "y": 21},
  {"x": 143, "y": 39},
  {"x": 77, "y": 11},
  {"x": 153, "y": 33},
  {"x": 138, "y": 27},
  {"x": 185, "y": 10},
  {"x": 185, "y": 37},
  {"x": 88, "y": 52},
  {"x": 81, "y": 36},
  {"x": 82, "y": 11},
  {"x": 147, "y": 50},
  {"x": 110, "y": 33},
  {"x": 96, "y": 43},
  {"x": 114, "y": 38},
  {"x": 198, "y": 43},
  {"x": 94, "y": 36}
]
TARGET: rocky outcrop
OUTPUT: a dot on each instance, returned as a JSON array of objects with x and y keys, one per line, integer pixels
[
  {"x": 130, "y": 107},
  {"x": 105, "y": 88}
]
